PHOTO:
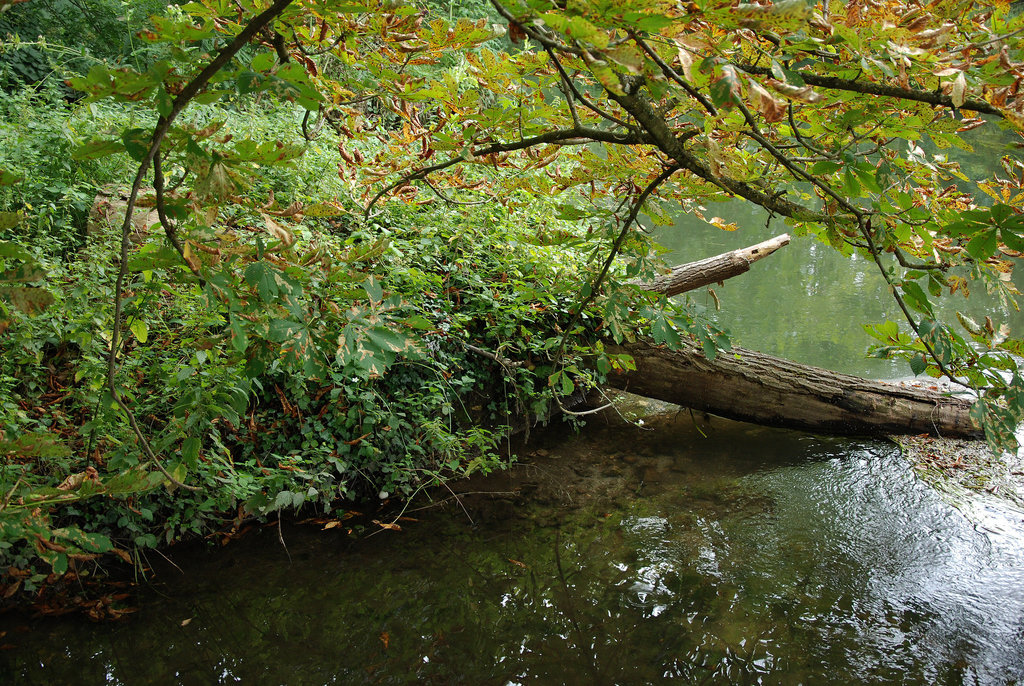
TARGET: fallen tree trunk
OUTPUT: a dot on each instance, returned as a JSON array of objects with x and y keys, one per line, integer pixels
[{"x": 753, "y": 387}]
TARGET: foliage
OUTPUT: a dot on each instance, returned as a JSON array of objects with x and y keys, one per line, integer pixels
[
  {"x": 238, "y": 332},
  {"x": 317, "y": 374},
  {"x": 44, "y": 38}
]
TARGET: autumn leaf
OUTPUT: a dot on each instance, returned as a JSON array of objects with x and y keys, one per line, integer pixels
[
  {"x": 803, "y": 94},
  {"x": 278, "y": 231},
  {"x": 771, "y": 108},
  {"x": 958, "y": 92}
]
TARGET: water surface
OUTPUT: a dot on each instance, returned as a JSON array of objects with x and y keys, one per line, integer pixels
[{"x": 627, "y": 555}]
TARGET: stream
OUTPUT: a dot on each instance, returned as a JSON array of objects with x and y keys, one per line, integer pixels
[{"x": 686, "y": 549}]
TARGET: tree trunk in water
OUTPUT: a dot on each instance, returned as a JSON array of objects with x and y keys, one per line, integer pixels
[{"x": 753, "y": 387}]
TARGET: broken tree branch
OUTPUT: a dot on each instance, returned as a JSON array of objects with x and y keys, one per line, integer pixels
[{"x": 693, "y": 275}]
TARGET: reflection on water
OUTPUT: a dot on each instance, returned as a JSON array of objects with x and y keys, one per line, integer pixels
[
  {"x": 749, "y": 556},
  {"x": 805, "y": 302}
]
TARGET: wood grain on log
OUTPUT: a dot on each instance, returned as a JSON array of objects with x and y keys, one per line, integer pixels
[{"x": 753, "y": 387}]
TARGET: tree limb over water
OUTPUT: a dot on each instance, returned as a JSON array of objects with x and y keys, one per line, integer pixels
[{"x": 750, "y": 386}]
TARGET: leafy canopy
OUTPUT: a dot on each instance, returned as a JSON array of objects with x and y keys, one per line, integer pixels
[{"x": 837, "y": 117}]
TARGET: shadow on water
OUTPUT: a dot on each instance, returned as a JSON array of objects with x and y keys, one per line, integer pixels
[{"x": 626, "y": 556}]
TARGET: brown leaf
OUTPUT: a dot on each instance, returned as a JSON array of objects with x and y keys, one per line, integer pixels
[
  {"x": 803, "y": 94},
  {"x": 959, "y": 90},
  {"x": 771, "y": 108},
  {"x": 686, "y": 62},
  {"x": 75, "y": 481},
  {"x": 123, "y": 554},
  {"x": 278, "y": 231}
]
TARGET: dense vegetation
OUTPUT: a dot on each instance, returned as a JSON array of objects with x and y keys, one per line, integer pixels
[{"x": 211, "y": 312}]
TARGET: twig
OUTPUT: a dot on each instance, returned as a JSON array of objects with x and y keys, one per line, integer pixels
[
  {"x": 503, "y": 361},
  {"x": 579, "y": 96},
  {"x": 280, "y": 538},
  {"x": 871, "y": 88},
  {"x": 673, "y": 75},
  {"x": 451, "y": 201}
]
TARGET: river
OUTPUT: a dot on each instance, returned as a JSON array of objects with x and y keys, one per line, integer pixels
[{"x": 680, "y": 552}]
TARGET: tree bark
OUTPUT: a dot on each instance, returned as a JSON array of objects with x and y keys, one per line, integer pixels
[
  {"x": 692, "y": 275},
  {"x": 753, "y": 387}
]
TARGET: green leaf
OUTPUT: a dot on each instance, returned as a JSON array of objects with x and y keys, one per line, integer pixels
[
  {"x": 97, "y": 148},
  {"x": 918, "y": 364},
  {"x": 418, "y": 321},
  {"x": 388, "y": 341},
  {"x": 825, "y": 167},
  {"x": 868, "y": 178},
  {"x": 789, "y": 76},
  {"x": 179, "y": 472},
  {"x": 239, "y": 339},
  {"x": 153, "y": 256},
  {"x": 567, "y": 386},
  {"x": 9, "y": 178},
  {"x": 190, "y": 449},
  {"x": 1001, "y": 212},
  {"x": 1012, "y": 240},
  {"x": 90, "y": 543},
  {"x": 851, "y": 187},
  {"x": 8, "y": 220},
  {"x": 139, "y": 329},
  {"x": 164, "y": 102},
  {"x": 263, "y": 278},
  {"x": 136, "y": 143},
  {"x": 263, "y": 62},
  {"x": 915, "y": 297},
  {"x": 281, "y": 330},
  {"x": 25, "y": 273},
  {"x": 983, "y": 246},
  {"x": 26, "y": 299},
  {"x": 373, "y": 290},
  {"x": 60, "y": 564},
  {"x": 15, "y": 251}
]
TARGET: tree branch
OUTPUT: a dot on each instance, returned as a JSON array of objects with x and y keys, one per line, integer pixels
[
  {"x": 673, "y": 75},
  {"x": 870, "y": 88},
  {"x": 673, "y": 146},
  {"x": 575, "y": 135},
  {"x": 579, "y": 96},
  {"x": 163, "y": 125},
  {"x": 693, "y": 275}
]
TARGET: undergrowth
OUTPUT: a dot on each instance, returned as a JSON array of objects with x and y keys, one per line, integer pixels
[{"x": 385, "y": 356}]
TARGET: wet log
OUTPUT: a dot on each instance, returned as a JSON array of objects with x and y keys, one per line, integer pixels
[{"x": 754, "y": 387}]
